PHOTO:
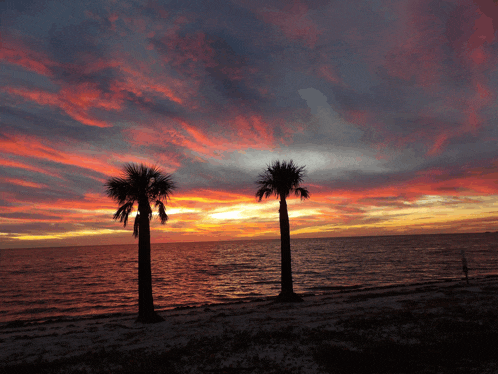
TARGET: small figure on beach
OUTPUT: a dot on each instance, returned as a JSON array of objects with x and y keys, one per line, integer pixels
[{"x": 465, "y": 267}]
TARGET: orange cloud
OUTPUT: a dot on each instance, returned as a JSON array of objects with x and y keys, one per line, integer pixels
[
  {"x": 253, "y": 127},
  {"x": 469, "y": 182},
  {"x": 244, "y": 132},
  {"x": 139, "y": 83},
  {"x": 22, "y": 182},
  {"x": 5, "y": 162},
  {"x": 212, "y": 197},
  {"x": 78, "y": 99},
  {"x": 76, "y": 104},
  {"x": 217, "y": 215},
  {"x": 33, "y": 147}
]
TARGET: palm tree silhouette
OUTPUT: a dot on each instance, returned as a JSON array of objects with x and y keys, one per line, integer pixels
[
  {"x": 142, "y": 185},
  {"x": 280, "y": 179}
]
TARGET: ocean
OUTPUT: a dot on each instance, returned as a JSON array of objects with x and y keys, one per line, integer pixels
[{"x": 41, "y": 284}]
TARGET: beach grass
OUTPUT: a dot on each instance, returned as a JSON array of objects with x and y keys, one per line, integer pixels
[{"x": 445, "y": 327}]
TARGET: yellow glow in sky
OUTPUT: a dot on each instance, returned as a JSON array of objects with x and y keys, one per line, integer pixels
[{"x": 68, "y": 234}]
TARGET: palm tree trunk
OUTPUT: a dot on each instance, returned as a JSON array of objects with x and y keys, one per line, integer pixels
[
  {"x": 146, "y": 312},
  {"x": 286, "y": 270}
]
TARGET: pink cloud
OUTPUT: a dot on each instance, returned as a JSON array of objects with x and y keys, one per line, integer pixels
[
  {"x": 294, "y": 22},
  {"x": 486, "y": 27},
  {"x": 141, "y": 82},
  {"x": 76, "y": 105},
  {"x": 241, "y": 131},
  {"x": 79, "y": 99},
  {"x": 471, "y": 29},
  {"x": 188, "y": 51},
  {"x": 23, "y": 183},
  {"x": 28, "y": 146},
  {"x": 469, "y": 182},
  {"x": 484, "y": 31},
  {"x": 438, "y": 145},
  {"x": 15, "y": 164},
  {"x": 329, "y": 74},
  {"x": 481, "y": 98},
  {"x": 418, "y": 50},
  {"x": 16, "y": 53},
  {"x": 193, "y": 55}
]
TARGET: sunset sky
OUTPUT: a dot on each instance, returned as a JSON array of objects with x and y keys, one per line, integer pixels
[{"x": 390, "y": 104}]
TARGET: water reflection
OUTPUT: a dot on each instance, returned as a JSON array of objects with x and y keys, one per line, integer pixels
[
  {"x": 212, "y": 272},
  {"x": 47, "y": 282}
]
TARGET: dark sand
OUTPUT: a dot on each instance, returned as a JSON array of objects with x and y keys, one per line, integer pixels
[{"x": 443, "y": 327}]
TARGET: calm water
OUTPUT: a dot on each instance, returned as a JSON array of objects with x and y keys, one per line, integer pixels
[{"x": 37, "y": 284}]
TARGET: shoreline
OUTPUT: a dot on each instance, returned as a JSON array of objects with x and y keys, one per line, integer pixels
[
  {"x": 385, "y": 328},
  {"x": 320, "y": 291}
]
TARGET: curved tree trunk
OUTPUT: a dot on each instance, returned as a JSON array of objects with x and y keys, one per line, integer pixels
[{"x": 146, "y": 312}]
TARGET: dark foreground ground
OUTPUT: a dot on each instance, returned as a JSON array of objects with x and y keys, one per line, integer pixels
[{"x": 445, "y": 327}]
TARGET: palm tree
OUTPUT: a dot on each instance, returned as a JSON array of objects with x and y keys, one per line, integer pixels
[
  {"x": 142, "y": 185},
  {"x": 280, "y": 179}
]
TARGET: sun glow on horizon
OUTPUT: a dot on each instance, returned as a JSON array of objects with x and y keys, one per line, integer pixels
[
  {"x": 243, "y": 217},
  {"x": 65, "y": 235}
]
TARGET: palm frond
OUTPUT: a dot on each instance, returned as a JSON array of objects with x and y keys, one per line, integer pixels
[
  {"x": 118, "y": 189},
  {"x": 264, "y": 192},
  {"x": 162, "y": 211},
  {"x": 162, "y": 187},
  {"x": 123, "y": 212},
  {"x": 140, "y": 184},
  {"x": 136, "y": 225},
  {"x": 280, "y": 179},
  {"x": 302, "y": 192}
]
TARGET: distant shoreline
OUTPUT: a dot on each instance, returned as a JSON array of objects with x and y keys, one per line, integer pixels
[{"x": 293, "y": 238}]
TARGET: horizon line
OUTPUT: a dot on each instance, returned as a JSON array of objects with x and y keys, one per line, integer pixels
[{"x": 265, "y": 239}]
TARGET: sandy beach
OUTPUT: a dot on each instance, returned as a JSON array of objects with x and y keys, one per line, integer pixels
[{"x": 442, "y": 327}]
